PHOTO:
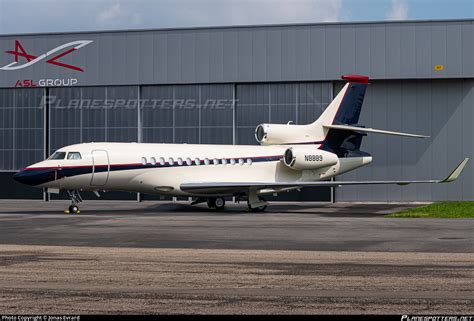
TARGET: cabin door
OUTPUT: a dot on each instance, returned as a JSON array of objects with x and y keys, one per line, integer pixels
[{"x": 100, "y": 167}]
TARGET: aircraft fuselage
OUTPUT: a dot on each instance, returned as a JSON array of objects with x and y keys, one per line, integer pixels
[{"x": 163, "y": 168}]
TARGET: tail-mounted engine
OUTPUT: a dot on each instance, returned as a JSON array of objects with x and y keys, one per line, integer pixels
[
  {"x": 279, "y": 134},
  {"x": 308, "y": 157}
]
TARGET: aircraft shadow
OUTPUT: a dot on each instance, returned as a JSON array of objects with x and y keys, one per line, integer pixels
[{"x": 174, "y": 209}]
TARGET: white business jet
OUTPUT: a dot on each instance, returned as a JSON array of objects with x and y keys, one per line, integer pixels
[{"x": 289, "y": 157}]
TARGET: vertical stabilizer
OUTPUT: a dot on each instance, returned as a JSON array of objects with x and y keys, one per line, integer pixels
[{"x": 345, "y": 108}]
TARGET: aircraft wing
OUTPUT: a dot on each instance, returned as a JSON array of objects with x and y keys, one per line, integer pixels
[
  {"x": 234, "y": 187},
  {"x": 372, "y": 130}
]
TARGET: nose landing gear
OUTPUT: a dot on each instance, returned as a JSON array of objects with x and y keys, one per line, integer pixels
[
  {"x": 75, "y": 199},
  {"x": 73, "y": 209}
]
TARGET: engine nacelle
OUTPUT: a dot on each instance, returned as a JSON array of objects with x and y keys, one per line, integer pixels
[
  {"x": 278, "y": 134},
  {"x": 308, "y": 157}
]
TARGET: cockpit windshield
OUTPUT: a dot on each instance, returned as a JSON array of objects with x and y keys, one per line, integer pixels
[
  {"x": 74, "y": 155},
  {"x": 57, "y": 155}
]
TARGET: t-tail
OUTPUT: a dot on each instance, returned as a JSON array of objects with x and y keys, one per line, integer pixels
[
  {"x": 345, "y": 108},
  {"x": 337, "y": 129},
  {"x": 340, "y": 120}
]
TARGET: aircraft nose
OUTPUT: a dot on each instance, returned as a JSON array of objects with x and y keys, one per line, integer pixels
[
  {"x": 35, "y": 176},
  {"x": 25, "y": 177}
]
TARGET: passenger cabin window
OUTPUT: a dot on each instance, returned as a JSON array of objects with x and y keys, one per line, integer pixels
[
  {"x": 153, "y": 161},
  {"x": 189, "y": 161},
  {"x": 144, "y": 160},
  {"x": 74, "y": 155},
  {"x": 57, "y": 155},
  {"x": 162, "y": 161},
  {"x": 180, "y": 161}
]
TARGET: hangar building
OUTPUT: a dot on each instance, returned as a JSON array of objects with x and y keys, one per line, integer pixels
[{"x": 215, "y": 85}]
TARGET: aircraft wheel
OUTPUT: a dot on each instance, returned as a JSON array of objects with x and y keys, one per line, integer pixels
[
  {"x": 219, "y": 203},
  {"x": 73, "y": 209},
  {"x": 211, "y": 202},
  {"x": 260, "y": 208}
]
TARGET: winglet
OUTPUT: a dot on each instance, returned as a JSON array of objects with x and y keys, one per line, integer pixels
[{"x": 456, "y": 172}]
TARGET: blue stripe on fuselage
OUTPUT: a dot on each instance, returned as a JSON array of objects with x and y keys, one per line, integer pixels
[{"x": 34, "y": 177}]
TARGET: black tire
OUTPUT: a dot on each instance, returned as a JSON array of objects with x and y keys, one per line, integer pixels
[
  {"x": 216, "y": 203},
  {"x": 219, "y": 203},
  {"x": 211, "y": 202},
  {"x": 260, "y": 208}
]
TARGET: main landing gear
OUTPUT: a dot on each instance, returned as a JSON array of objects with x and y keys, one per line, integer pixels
[
  {"x": 258, "y": 208},
  {"x": 216, "y": 202},
  {"x": 256, "y": 203},
  {"x": 75, "y": 199}
]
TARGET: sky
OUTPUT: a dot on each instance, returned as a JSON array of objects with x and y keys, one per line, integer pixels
[{"x": 31, "y": 16}]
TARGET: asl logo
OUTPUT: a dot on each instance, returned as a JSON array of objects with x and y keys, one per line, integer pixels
[
  {"x": 25, "y": 83},
  {"x": 31, "y": 59}
]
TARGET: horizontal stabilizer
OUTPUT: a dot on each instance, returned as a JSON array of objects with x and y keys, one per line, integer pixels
[{"x": 372, "y": 130}]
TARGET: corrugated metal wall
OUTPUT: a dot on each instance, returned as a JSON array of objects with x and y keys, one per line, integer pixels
[
  {"x": 193, "y": 114},
  {"x": 386, "y": 50},
  {"x": 85, "y": 115},
  {"x": 21, "y": 127},
  {"x": 443, "y": 109},
  {"x": 300, "y": 103}
]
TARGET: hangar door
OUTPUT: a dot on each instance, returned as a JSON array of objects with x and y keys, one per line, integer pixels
[
  {"x": 21, "y": 138},
  {"x": 440, "y": 108},
  {"x": 300, "y": 103}
]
